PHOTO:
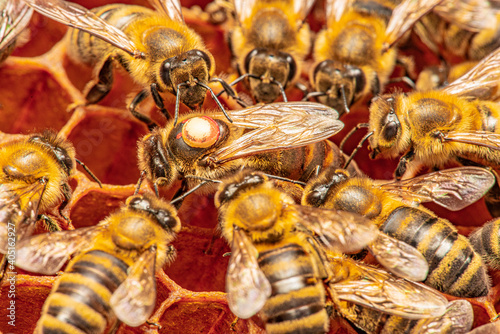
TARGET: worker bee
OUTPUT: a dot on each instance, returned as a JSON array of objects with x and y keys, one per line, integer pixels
[
  {"x": 485, "y": 241},
  {"x": 456, "y": 123},
  {"x": 457, "y": 318},
  {"x": 283, "y": 139},
  {"x": 112, "y": 276},
  {"x": 454, "y": 267},
  {"x": 269, "y": 44},
  {"x": 350, "y": 62},
  {"x": 278, "y": 267},
  {"x": 157, "y": 49},
  {"x": 15, "y": 17}
]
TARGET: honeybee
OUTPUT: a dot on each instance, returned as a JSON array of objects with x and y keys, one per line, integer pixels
[
  {"x": 283, "y": 139},
  {"x": 14, "y": 18},
  {"x": 112, "y": 276},
  {"x": 269, "y": 44},
  {"x": 350, "y": 62},
  {"x": 456, "y": 123},
  {"x": 454, "y": 267},
  {"x": 278, "y": 267},
  {"x": 485, "y": 241},
  {"x": 457, "y": 318},
  {"x": 157, "y": 49}
]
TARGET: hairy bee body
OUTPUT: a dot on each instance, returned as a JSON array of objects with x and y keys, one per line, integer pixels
[
  {"x": 158, "y": 37},
  {"x": 349, "y": 59},
  {"x": 454, "y": 266},
  {"x": 486, "y": 242}
]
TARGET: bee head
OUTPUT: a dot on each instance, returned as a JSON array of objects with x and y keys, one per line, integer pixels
[
  {"x": 61, "y": 149},
  {"x": 160, "y": 211},
  {"x": 318, "y": 190},
  {"x": 269, "y": 72},
  {"x": 184, "y": 73},
  {"x": 341, "y": 84},
  {"x": 384, "y": 123},
  {"x": 244, "y": 181}
]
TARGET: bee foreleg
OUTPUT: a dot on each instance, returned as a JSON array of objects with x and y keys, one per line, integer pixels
[
  {"x": 143, "y": 118},
  {"x": 403, "y": 164},
  {"x": 98, "y": 88}
]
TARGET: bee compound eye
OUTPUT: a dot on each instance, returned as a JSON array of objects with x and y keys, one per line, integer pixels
[
  {"x": 165, "y": 72},
  {"x": 200, "y": 132},
  {"x": 249, "y": 57},
  {"x": 292, "y": 67}
]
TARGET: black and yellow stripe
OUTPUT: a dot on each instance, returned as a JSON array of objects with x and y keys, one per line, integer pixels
[
  {"x": 298, "y": 298},
  {"x": 486, "y": 241},
  {"x": 454, "y": 266},
  {"x": 79, "y": 302}
]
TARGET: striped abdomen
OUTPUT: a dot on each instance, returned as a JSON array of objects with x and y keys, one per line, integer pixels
[
  {"x": 79, "y": 301},
  {"x": 297, "y": 303},
  {"x": 486, "y": 241},
  {"x": 454, "y": 267}
]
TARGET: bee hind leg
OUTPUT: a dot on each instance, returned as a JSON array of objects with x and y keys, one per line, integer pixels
[{"x": 98, "y": 88}]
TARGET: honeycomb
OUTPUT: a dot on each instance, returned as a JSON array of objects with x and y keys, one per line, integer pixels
[{"x": 38, "y": 83}]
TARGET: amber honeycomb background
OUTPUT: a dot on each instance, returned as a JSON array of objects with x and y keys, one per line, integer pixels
[{"x": 38, "y": 83}]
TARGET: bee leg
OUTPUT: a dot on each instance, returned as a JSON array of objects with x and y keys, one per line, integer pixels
[
  {"x": 403, "y": 164},
  {"x": 229, "y": 91},
  {"x": 50, "y": 224},
  {"x": 159, "y": 101},
  {"x": 409, "y": 66},
  {"x": 66, "y": 190},
  {"x": 178, "y": 195},
  {"x": 98, "y": 88},
  {"x": 233, "y": 324},
  {"x": 143, "y": 118}
]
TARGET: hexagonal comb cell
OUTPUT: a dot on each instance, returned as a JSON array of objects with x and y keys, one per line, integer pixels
[{"x": 40, "y": 88}]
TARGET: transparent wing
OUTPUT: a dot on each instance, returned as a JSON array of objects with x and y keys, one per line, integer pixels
[
  {"x": 18, "y": 210},
  {"x": 334, "y": 9},
  {"x": 399, "y": 258},
  {"x": 481, "y": 82},
  {"x": 381, "y": 291},
  {"x": 246, "y": 285},
  {"x": 134, "y": 300},
  {"x": 79, "y": 17},
  {"x": 279, "y": 126},
  {"x": 47, "y": 253},
  {"x": 479, "y": 138},
  {"x": 471, "y": 15},
  {"x": 404, "y": 17},
  {"x": 302, "y": 8},
  {"x": 457, "y": 319},
  {"x": 341, "y": 231},
  {"x": 491, "y": 328},
  {"x": 170, "y": 8},
  {"x": 14, "y": 18},
  {"x": 453, "y": 188},
  {"x": 243, "y": 9}
]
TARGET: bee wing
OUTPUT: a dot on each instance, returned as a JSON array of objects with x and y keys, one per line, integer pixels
[
  {"x": 302, "y": 8},
  {"x": 479, "y": 138},
  {"x": 47, "y": 253},
  {"x": 336, "y": 8},
  {"x": 79, "y": 17},
  {"x": 458, "y": 318},
  {"x": 381, "y": 291},
  {"x": 404, "y": 16},
  {"x": 246, "y": 285},
  {"x": 399, "y": 258},
  {"x": 453, "y": 188},
  {"x": 481, "y": 81},
  {"x": 18, "y": 210},
  {"x": 134, "y": 300},
  {"x": 170, "y": 8},
  {"x": 338, "y": 230},
  {"x": 279, "y": 126},
  {"x": 243, "y": 9},
  {"x": 14, "y": 18},
  {"x": 471, "y": 15}
]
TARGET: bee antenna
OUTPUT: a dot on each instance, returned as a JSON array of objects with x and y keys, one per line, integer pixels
[
  {"x": 312, "y": 94},
  {"x": 285, "y": 179},
  {"x": 198, "y": 186},
  {"x": 89, "y": 172},
  {"x": 229, "y": 91},
  {"x": 344, "y": 99},
  {"x": 177, "y": 101},
  {"x": 353, "y": 130},
  {"x": 362, "y": 141},
  {"x": 216, "y": 100},
  {"x": 282, "y": 90},
  {"x": 202, "y": 178},
  {"x": 139, "y": 182},
  {"x": 241, "y": 77}
]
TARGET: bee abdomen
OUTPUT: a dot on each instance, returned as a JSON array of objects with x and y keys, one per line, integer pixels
[
  {"x": 79, "y": 302},
  {"x": 486, "y": 241},
  {"x": 454, "y": 266},
  {"x": 297, "y": 301}
]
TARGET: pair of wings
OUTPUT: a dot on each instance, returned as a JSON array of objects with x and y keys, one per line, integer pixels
[
  {"x": 18, "y": 210},
  {"x": 134, "y": 299},
  {"x": 15, "y": 16},
  {"x": 278, "y": 126},
  {"x": 79, "y": 17},
  {"x": 244, "y": 8},
  {"x": 248, "y": 289}
]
